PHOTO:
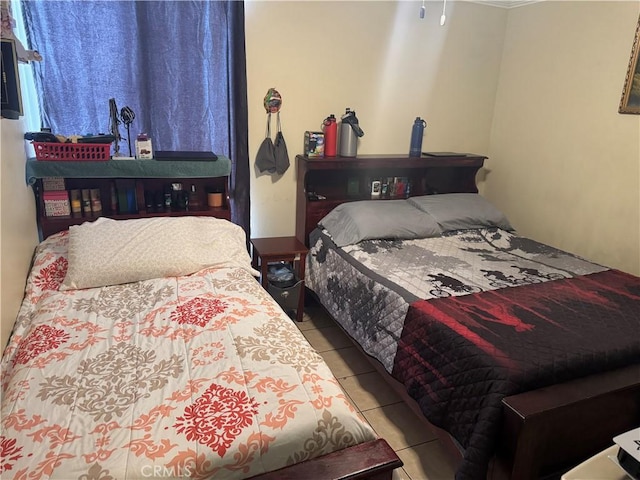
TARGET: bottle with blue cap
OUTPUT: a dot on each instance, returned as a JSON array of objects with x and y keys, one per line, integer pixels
[{"x": 417, "y": 132}]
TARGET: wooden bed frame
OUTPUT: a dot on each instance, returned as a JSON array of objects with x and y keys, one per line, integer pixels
[
  {"x": 373, "y": 460},
  {"x": 544, "y": 432}
]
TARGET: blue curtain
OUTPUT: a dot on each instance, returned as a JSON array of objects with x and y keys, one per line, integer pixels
[{"x": 179, "y": 65}]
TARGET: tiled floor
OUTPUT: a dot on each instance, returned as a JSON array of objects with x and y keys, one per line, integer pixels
[{"x": 423, "y": 456}]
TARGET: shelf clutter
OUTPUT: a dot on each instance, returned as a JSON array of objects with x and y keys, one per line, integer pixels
[
  {"x": 123, "y": 198},
  {"x": 72, "y": 192}
]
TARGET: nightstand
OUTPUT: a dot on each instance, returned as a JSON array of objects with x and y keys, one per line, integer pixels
[{"x": 282, "y": 249}]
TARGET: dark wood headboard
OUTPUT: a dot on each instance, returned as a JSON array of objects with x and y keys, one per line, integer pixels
[
  {"x": 124, "y": 189},
  {"x": 324, "y": 183}
]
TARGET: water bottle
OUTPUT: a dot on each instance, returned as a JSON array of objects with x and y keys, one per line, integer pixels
[
  {"x": 330, "y": 129},
  {"x": 417, "y": 132},
  {"x": 349, "y": 132},
  {"x": 348, "y": 141}
]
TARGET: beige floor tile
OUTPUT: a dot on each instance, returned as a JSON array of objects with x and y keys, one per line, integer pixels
[
  {"x": 324, "y": 339},
  {"x": 427, "y": 461},
  {"x": 314, "y": 317},
  {"x": 398, "y": 425},
  {"x": 400, "y": 474},
  {"x": 369, "y": 390},
  {"x": 347, "y": 362},
  {"x": 380, "y": 406}
]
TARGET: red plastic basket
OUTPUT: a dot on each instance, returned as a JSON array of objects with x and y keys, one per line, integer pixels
[{"x": 76, "y": 152}]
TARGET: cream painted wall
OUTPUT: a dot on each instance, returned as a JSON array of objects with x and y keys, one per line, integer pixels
[
  {"x": 381, "y": 60},
  {"x": 564, "y": 165},
  {"x": 18, "y": 232}
]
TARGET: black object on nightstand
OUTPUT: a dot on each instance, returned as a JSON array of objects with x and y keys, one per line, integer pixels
[{"x": 281, "y": 262}]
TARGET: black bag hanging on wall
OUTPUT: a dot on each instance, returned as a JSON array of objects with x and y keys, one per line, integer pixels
[
  {"x": 281, "y": 154},
  {"x": 266, "y": 157}
]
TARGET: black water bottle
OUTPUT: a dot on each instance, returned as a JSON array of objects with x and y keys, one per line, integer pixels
[{"x": 417, "y": 132}]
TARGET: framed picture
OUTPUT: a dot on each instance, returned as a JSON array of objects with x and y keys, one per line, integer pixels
[
  {"x": 630, "y": 102},
  {"x": 11, "y": 98}
]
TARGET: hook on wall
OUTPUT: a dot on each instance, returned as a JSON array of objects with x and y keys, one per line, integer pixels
[
  {"x": 272, "y": 101},
  {"x": 443, "y": 17}
]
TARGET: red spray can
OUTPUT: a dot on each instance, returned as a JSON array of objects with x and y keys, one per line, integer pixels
[{"x": 330, "y": 129}]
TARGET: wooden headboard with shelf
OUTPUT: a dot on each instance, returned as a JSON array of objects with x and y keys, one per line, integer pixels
[
  {"x": 324, "y": 183},
  {"x": 129, "y": 189}
]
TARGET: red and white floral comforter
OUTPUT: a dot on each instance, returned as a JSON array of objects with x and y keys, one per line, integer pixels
[{"x": 201, "y": 376}]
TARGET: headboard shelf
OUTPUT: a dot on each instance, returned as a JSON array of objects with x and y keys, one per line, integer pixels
[
  {"x": 128, "y": 189},
  {"x": 324, "y": 183},
  {"x": 391, "y": 162}
]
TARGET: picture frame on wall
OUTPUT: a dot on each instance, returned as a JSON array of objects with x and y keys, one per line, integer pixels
[
  {"x": 630, "y": 102},
  {"x": 11, "y": 95}
]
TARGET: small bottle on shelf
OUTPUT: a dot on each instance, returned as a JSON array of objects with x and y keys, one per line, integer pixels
[
  {"x": 76, "y": 203},
  {"x": 96, "y": 202},
  {"x": 148, "y": 200},
  {"x": 167, "y": 199},
  {"x": 159, "y": 201},
  {"x": 114, "y": 198},
  {"x": 86, "y": 202},
  {"x": 178, "y": 199},
  {"x": 194, "y": 201}
]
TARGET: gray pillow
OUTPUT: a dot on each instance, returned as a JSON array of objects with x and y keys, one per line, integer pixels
[
  {"x": 353, "y": 222},
  {"x": 461, "y": 211}
]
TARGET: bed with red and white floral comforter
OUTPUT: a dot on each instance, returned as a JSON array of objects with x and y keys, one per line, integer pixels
[{"x": 199, "y": 376}]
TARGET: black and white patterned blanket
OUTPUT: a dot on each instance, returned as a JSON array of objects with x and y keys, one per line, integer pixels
[
  {"x": 438, "y": 315},
  {"x": 368, "y": 287}
]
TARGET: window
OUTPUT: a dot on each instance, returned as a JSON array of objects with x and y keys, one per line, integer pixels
[{"x": 180, "y": 66}]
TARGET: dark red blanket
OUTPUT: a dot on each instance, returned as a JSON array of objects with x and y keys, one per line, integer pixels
[{"x": 459, "y": 356}]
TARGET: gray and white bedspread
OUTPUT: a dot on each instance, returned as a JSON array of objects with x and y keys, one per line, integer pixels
[
  {"x": 437, "y": 314},
  {"x": 368, "y": 287}
]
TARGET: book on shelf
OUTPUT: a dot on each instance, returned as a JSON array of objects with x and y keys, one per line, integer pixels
[{"x": 56, "y": 203}]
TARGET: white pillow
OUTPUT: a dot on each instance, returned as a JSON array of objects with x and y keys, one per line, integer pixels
[{"x": 111, "y": 252}]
